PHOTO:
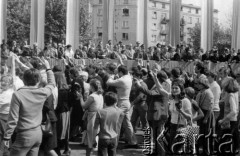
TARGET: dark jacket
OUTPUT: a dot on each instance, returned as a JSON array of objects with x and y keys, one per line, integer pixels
[
  {"x": 48, "y": 108},
  {"x": 64, "y": 104},
  {"x": 157, "y": 105}
]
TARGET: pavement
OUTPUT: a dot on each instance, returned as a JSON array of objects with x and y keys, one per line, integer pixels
[{"x": 77, "y": 150}]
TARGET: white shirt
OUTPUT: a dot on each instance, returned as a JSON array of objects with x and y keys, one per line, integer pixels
[
  {"x": 216, "y": 90},
  {"x": 69, "y": 54},
  {"x": 5, "y": 100},
  {"x": 186, "y": 105},
  {"x": 123, "y": 86},
  {"x": 18, "y": 83}
]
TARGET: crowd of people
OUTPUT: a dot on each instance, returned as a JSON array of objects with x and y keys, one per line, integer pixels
[
  {"x": 127, "y": 52},
  {"x": 42, "y": 108}
]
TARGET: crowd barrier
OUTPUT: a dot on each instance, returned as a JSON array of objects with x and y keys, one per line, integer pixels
[{"x": 187, "y": 66}]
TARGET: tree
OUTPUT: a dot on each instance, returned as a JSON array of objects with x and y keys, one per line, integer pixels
[
  {"x": 196, "y": 36},
  {"x": 221, "y": 36},
  {"x": 18, "y": 20},
  {"x": 55, "y": 20}
]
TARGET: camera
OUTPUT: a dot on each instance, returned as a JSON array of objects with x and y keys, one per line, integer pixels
[{"x": 178, "y": 105}]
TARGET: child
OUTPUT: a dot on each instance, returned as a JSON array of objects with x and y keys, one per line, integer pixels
[{"x": 110, "y": 119}]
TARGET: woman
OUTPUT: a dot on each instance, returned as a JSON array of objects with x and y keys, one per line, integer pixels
[
  {"x": 180, "y": 109},
  {"x": 63, "y": 113},
  {"x": 91, "y": 106},
  {"x": 231, "y": 109}
]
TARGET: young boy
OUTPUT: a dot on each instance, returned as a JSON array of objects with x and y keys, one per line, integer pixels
[{"x": 110, "y": 119}]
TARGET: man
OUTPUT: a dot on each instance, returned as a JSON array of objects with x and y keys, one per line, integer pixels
[
  {"x": 53, "y": 50},
  {"x": 123, "y": 86},
  {"x": 137, "y": 45},
  {"x": 69, "y": 52},
  {"x": 110, "y": 119},
  {"x": 25, "y": 115},
  {"x": 83, "y": 52},
  {"x": 130, "y": 52},
  {"x": 35, "y": 50},
  {"x": 216, "y": 90},
  {"x": 139, "y": 103}
]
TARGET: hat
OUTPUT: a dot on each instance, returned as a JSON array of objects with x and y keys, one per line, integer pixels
[{"x": 138, "y": 42}]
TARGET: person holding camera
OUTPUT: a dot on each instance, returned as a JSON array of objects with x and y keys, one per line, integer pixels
[{"x": 180, "y": 109}]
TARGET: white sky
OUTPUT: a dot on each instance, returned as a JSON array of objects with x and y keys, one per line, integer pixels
[{"x": 223, "y": 6}]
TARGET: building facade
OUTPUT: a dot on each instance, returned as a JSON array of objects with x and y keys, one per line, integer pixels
[{"x": 129, "y": 21}]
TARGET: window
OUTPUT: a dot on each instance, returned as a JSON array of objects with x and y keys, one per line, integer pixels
[
  {"x": 154, "y": 27},
  {"x": 189, "y": 30},
  {"x": 163, "y": 15},
  {"x": 100, "y": 22},
  {"x": 125, "y": 1},
  {"x": 197, "y": 11},
  {"x": 116, "y": 25},
  {"x": 125, "y": 36},
  {"x": 154, "y": 38},
  {"x": 125, "y": 12},
  {"x": 189, "y": 11},
  {"x": 154, "y": 15},
  {"x": 198, "y": 20},
  {"x": 99, "y": 34},
  {"x": 163, "y": 37},
  {"x": 99, "y": 11},
  {"x": 154, "y": 4},
  {"x": 125, "y": 24},
  {"x": 190, "y": 20},
  {"x": 163, "y": 5},
  {"x": 100, "y": 1}
]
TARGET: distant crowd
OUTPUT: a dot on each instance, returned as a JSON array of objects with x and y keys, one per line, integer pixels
[{"x": 127, "y": 52}]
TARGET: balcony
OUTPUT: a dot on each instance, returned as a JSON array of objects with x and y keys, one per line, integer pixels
[
  {"x": 163, "y": 32},
  {"x": 164, "y": 20},
  {"x": 182, "y": 22}
]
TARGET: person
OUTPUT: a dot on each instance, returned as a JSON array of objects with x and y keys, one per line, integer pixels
[
  {"x": 24, "y": 116},
  {"x": 93, "y": 73},
  {"x": 123, "y": 86},
  {"x": 63, "y": 113},
  {"x": 216, "y": 90},
  {"x": 157, "y": 100},
  {"x": 180, "y": 108},
  {"x": 205, "y": 101},
  {"x": 197, "y": 113},
  {"x": 110, "y": 119},
  {"x": 7, "y": 90},
  {"x": 139, "y": 103},
  {"x": 231, "y": 109},
  {"x": 91, "y": 106},
  {"x": 69, "y": 52},
  {"x": 77, "y": 86}
]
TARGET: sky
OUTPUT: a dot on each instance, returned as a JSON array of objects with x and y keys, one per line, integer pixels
[{"x": 224, "y": 7}]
